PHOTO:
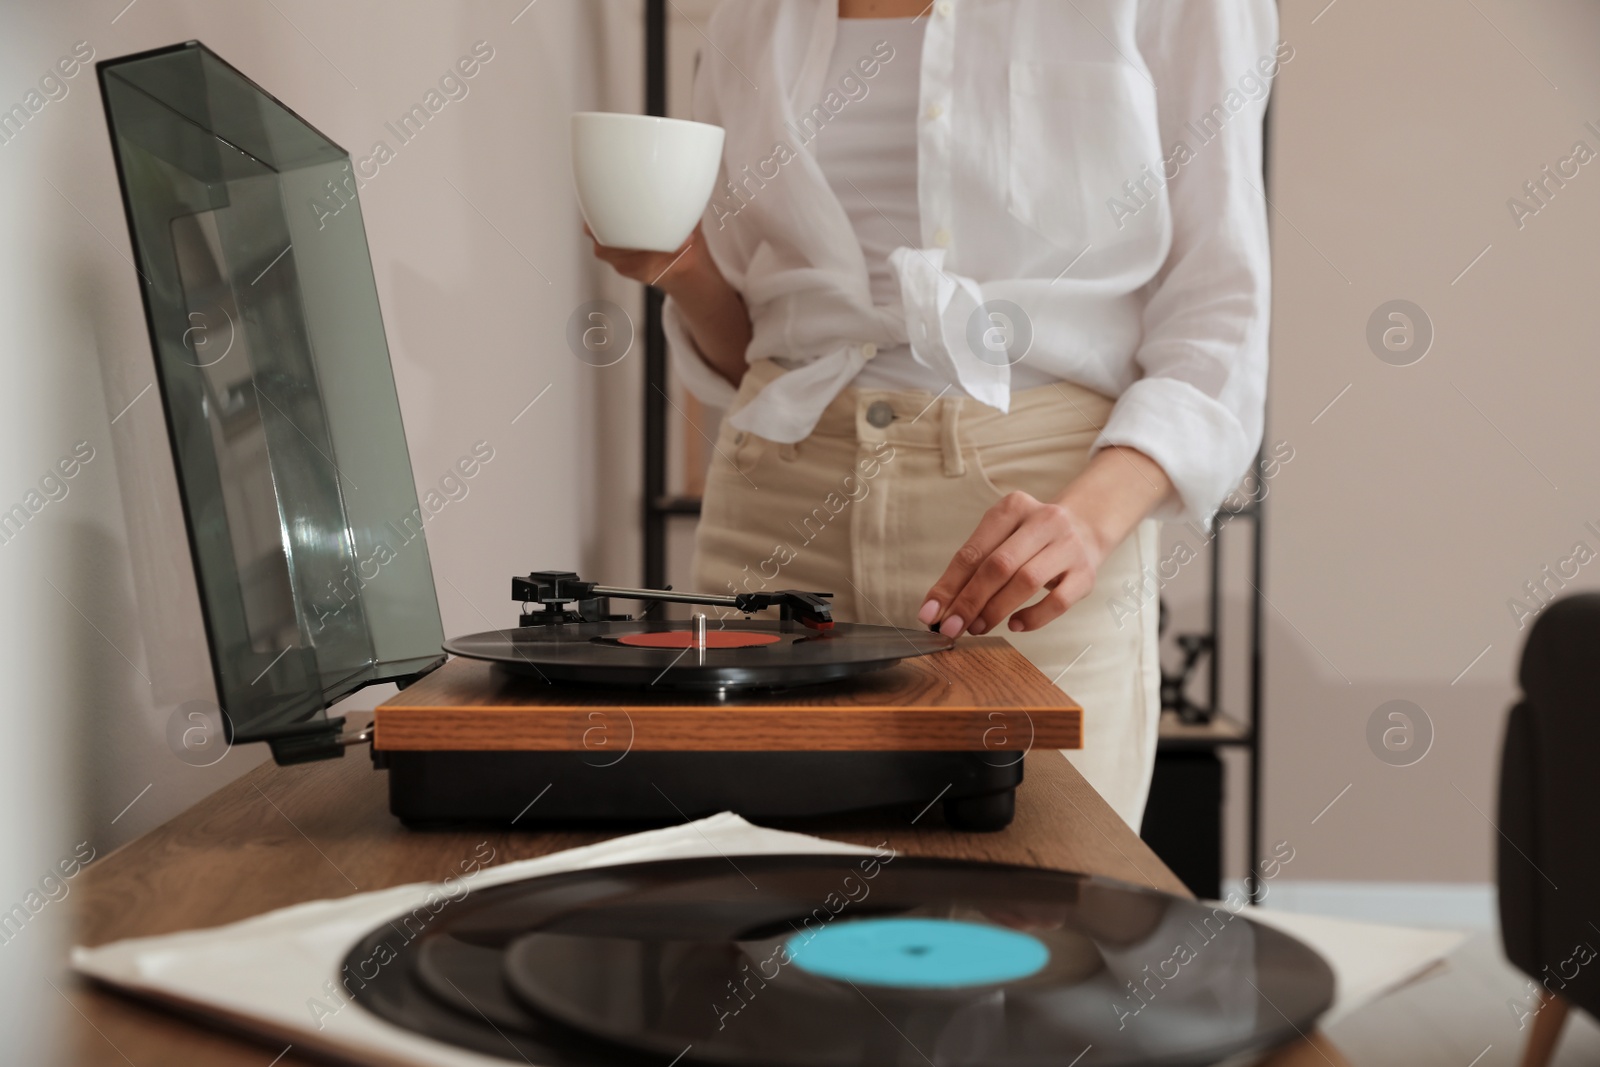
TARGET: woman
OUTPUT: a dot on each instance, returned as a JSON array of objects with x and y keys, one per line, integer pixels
[{"x": 984, "y": 289}]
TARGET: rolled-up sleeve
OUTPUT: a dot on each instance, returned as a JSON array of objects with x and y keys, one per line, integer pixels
[{"x": 1197, "y": 407}]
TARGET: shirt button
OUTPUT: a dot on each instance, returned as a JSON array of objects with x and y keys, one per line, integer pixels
[
  {"x": 880, "y": 414},
  {"x": 943, "y": 8},
  {"x": 869, "y": 350},
  {"x": 935, "y": 111},
  {"x": 941, "y": 237}
]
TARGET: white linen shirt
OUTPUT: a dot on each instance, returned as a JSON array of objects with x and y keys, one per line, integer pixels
[{"x": 1095, "y": 163}]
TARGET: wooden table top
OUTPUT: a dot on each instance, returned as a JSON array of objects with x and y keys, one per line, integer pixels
[
  {"x": 981, "y": 695},
  {"x": 284, "y": 835}
]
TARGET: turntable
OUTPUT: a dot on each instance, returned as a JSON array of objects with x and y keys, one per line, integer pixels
[
  {"x": 309, "y": 546},
  {"x": 581, "y": 715}
]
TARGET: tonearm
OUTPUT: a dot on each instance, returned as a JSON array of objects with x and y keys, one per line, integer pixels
[{"x": 555, "y": 593}]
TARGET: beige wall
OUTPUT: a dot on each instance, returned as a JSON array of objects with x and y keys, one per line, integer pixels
[
  {"x": 1427, "y": 495},
  {"x": 476, "y": 298},
  {"x": 101, "y": 640}
]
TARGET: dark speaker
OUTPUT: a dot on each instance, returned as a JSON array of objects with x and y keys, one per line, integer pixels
[{"x": 1183, "y": 819}]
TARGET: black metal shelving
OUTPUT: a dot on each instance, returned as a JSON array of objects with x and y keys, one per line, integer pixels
[
  {"x": 655, "y": 339},
  {"x": 1218, "y": 729}
]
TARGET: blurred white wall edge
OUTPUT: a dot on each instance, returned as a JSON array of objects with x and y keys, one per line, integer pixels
[
  {"x": 38, "y": 410},
  {"x": 33, "y": 657},
  {"x": 480, "y": 262}
]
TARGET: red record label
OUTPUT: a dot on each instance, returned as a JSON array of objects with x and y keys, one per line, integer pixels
[{"x": 685, "y": 639}]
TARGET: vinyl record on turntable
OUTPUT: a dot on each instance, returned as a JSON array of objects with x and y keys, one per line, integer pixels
[
  {"x": 841, "y": 961},
  {"x": 743, "y": 654}
]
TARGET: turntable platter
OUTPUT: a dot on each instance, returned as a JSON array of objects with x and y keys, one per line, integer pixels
[{"x": 744, "y": 654}]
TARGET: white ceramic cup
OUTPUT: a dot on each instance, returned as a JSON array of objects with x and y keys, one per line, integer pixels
[{"x": 643, "y": 182}]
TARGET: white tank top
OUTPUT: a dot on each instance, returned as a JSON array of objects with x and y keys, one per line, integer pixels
[{"x": 868, "y": 152}]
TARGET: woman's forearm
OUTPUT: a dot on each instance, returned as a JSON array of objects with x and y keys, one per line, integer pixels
[
  {"x": 715, "y": 315},
  {"x": 712, "y": 310},
  {"x": 1117, "y": 490}
]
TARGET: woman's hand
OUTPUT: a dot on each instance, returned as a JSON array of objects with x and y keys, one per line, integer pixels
[
  {"x": 1025, "y": 545},
  {"x": 711, "y": 310},
  {"x": 1022, "y": 545},
  {"x": 663, "y": 270}
]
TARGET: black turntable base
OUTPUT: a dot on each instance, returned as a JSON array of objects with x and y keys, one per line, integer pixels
[
  {"x": 838, "y": 961},
  {"x": 552, "y": 789}
]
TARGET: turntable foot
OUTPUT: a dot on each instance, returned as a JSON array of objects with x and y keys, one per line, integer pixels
[{"x": 981, "y": 814}]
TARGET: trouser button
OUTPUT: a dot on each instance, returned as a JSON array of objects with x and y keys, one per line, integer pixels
[{"x": 880, "y": 414}]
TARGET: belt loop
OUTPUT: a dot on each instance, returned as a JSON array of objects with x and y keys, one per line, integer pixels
[
  {"x": 787, "y": 452},
  {"x": 950, "y": 437}
]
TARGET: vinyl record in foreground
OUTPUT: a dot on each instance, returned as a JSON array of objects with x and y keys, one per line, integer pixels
[{"x": 843, "y": 961}]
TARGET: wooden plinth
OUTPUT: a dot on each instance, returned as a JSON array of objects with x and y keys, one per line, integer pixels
[{"x": 981, "y": 695}]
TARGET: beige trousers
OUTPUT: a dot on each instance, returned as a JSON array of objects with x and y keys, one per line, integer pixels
[{"x": 873, "y": 513}]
